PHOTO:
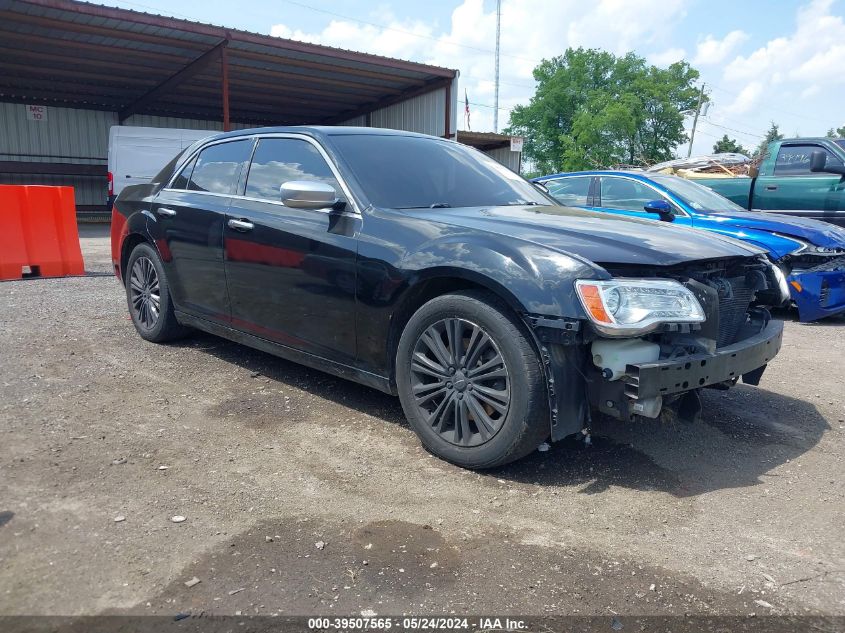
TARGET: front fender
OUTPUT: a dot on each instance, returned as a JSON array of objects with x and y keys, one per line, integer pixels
[
  {"x": 776, "y": 245},
  {"x": 532, "y": 279}
]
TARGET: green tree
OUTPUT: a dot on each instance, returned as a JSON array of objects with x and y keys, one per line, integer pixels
[
  {"x": 726, "y": 144},
  {"x": 772, "y": 135},
  {"x": 836, "y": 133},
  {"x": 594, "y": 109}
]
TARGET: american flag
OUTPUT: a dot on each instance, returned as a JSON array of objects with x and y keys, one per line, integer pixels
[{"x": 466, "y": 110}]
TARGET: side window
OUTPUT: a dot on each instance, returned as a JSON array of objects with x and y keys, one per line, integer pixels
[
  {"x": 571, "y": 192},
  {"x": 181, "y": 181},
  {"x": 218, "y": 167},
  {"x": 794, "y": 160},
  {"x": 626, "y": 194},
  {"x": 280, "y": 160}
]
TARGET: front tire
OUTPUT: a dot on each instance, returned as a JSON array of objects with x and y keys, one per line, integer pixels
[
  {"x": 470, "y": 381},
  {"x": 148, "y": 297}
]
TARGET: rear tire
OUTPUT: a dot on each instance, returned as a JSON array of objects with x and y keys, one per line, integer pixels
[
  {"x": 148, "y": 297},
  {"x": 470, "y": 381}
]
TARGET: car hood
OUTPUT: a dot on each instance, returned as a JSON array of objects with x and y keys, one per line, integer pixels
[
  {"x": 598, "y": 237},
  {"x": 805, "y": 229}
]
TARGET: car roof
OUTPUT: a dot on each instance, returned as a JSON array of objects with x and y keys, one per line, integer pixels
[
  {"x": 597, "y": 172},
  {"x": 319, "y": 131}
]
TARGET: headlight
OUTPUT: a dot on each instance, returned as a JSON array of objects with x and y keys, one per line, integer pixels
[
  {"x": 782, "y": 285},
  {"x": 621, "y": 307},
  {"x": 811, "y": 249}
]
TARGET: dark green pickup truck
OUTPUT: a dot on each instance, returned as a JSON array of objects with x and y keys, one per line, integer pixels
[{"x": 798, "y": 176}]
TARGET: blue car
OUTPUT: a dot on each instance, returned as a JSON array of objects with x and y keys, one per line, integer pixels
[{"x": 811, "y": 253}]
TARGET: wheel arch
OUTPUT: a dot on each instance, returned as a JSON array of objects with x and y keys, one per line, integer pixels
[
  {"x": 129, "y": 243},
  {"x": 436, "y": 283}
]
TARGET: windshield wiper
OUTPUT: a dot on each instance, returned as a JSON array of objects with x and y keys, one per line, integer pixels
[
  {"x": 523, "y": 204},
  {"x": 436, "y": 205}
]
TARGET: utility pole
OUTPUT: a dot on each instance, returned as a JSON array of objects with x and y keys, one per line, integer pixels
[
  {"x": 695, "y": 120},
  {"x": 498, "y": 35}
]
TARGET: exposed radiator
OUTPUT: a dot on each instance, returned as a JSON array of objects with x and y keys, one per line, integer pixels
[{"x": 733, "y": 308}]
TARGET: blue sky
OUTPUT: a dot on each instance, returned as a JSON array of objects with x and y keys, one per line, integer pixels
[{"x": 762, "y": 61}]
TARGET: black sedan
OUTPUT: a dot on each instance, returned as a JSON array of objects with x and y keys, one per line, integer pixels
[{"x": 423, "y": 268}]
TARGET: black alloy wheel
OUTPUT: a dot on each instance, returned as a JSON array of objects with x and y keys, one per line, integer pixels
[
  {"x": 148, "y": 297},
  {"x": 144, "y": 292},
  {"x": 460, "y": 382},
  {"x": 471, "y": 381}
]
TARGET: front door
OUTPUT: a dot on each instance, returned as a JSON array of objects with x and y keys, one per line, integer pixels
[
  {"x": 291, "y": 272},
  {"x": 795, "y": 190},
  {"x": 188, "y": 227},
  {"x": 627, "y": 196}
]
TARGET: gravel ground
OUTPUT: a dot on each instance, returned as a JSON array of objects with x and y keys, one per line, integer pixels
[{"x": 305, "y": 494}]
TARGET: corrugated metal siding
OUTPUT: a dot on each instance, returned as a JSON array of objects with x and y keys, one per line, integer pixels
[
  {"x": 82, "y": 134},
  {"x": 506, "y": 157},
  {"x": 148, "y": 120},
  {"x": 87, "y": 190},
  {"x": 425, "y": 114},
  {"x": 358, "y": 121}
]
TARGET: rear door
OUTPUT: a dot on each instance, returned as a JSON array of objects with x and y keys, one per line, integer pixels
[
  {"x": 795, "y": 190},
  {"x": 187, "y": 222},
  {"x": 571, "y": 191},
  {"x": 292, "y": 272}
]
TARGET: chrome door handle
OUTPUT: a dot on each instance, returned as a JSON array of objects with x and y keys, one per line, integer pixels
[
  {"x": 771, "y": 187},
  {"x": 166, "y": 212},
  {"x": 241, "y": 225}
]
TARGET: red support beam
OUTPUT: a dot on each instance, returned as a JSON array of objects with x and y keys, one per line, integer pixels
[{"x": 224, "y": 80}]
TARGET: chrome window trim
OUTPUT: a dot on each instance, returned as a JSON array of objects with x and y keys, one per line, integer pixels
[{"x": 256, "y": 138}]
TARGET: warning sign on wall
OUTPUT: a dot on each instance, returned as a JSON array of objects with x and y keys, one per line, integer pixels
[
  {"x": 516, "y": 143},
  {"x": 36, "y": 112}
]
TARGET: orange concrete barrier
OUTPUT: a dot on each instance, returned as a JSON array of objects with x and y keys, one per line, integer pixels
[{"x": 38, "y": 231}]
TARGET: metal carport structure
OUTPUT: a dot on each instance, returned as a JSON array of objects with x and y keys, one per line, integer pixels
[{"x": 142, "y": 69}]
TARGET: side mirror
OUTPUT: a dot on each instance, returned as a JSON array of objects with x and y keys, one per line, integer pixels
[
  {"x": 308, "y": 194},
  {"x": 661, "y": 208},
  {"x": 541, "y": 187},
  {"x": 818, "y": 164},
  {"x": 817, "y": 161}
]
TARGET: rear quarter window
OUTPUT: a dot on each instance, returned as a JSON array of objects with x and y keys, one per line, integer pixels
[{"x": 218, "y": 167}]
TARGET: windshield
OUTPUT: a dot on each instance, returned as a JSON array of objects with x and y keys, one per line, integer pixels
[
  {"x": 841, "y": 142},
  {"x": 412, "y": 172},
  {"x": 697, "y": 196}
]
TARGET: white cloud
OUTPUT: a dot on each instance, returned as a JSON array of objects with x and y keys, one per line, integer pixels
[
  {"x": 747, "y": 98},
  {"x": 714, "y": 51},
  {"x": 814, "y": 50},
  {"x": 794, "y": 79},
  {"x": 531, "y": 30},
  {"x": 667, "y": 57}
]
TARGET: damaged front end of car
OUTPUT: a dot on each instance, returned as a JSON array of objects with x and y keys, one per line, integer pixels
[
  {"x": 655, "y": 336},
  {"x": 816, "y": 277}
]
